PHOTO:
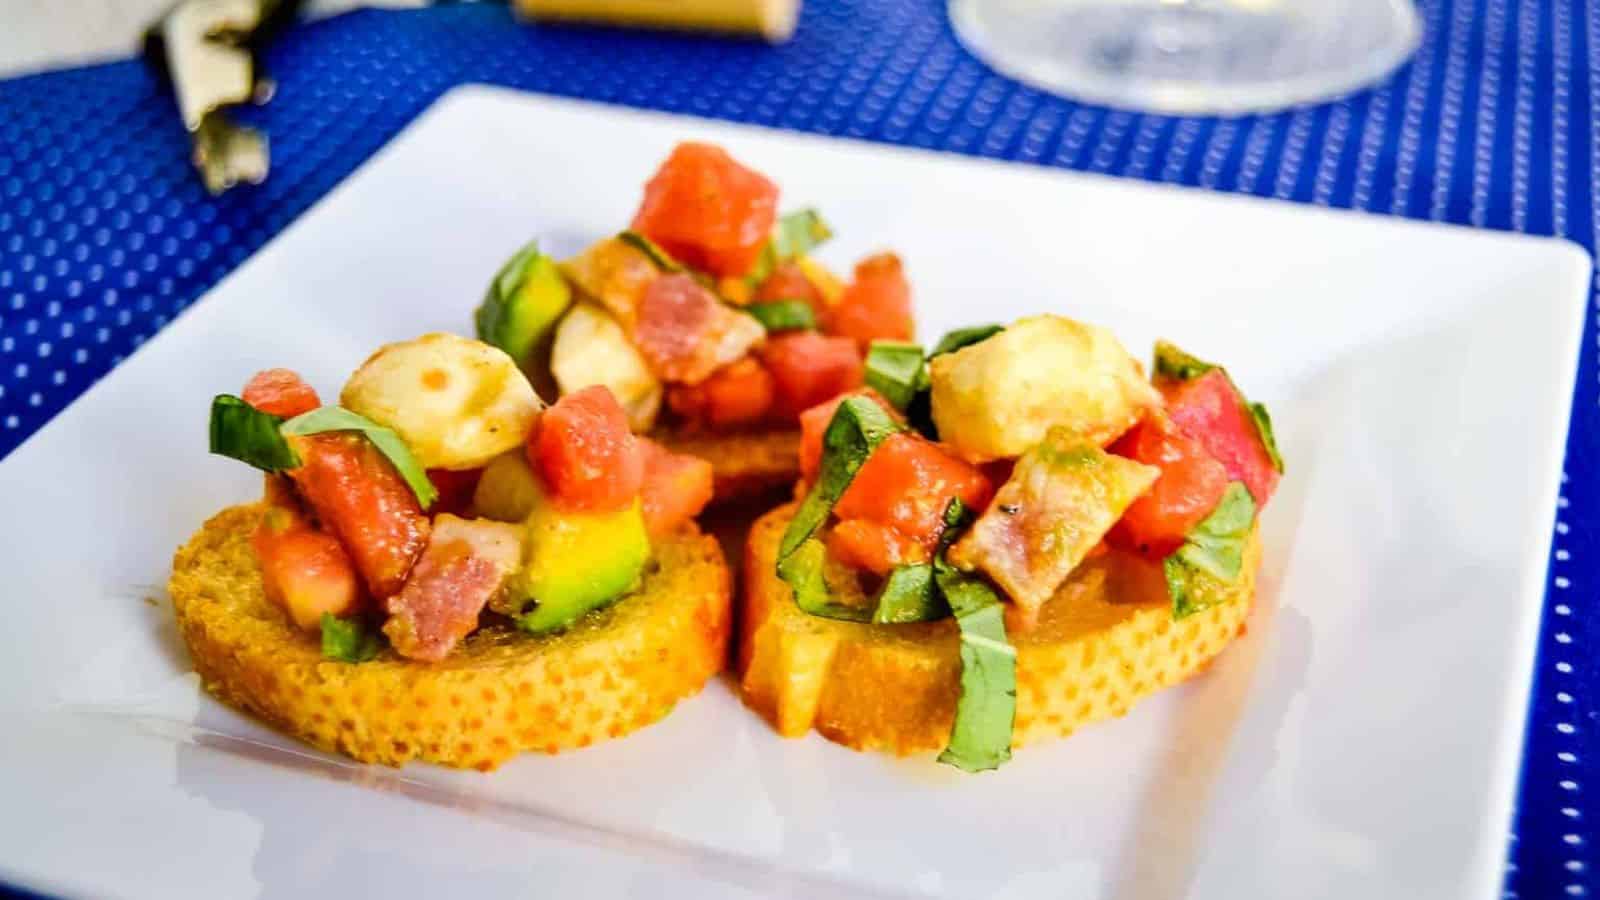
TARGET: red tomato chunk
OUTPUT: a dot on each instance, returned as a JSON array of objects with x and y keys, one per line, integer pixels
[
  {"x": 1210, "y": 410},
  {"x": 359, "y": 496},
  {"x": 1190, "y": 484},
  {"x": 707, "y": 210},
  {"x": 788, "y": 282},
  {"x": 304, "y": 571},
  {"x": 906, "y": 484},
  {"x": 814, "y": 424},
  {"x": 875, "y": 306},
  {"x": 583, "y": 450},
  {"x": 280, "y": 392},
  {"x": 864, "y": 544},
  {"x": 808, "y": 368},
  {"x": 676, "y": 487}
]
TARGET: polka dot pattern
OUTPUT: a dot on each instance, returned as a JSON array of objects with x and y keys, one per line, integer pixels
[{"x": 106, "y": 236}]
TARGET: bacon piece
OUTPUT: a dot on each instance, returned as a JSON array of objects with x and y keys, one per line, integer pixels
[
  {"x": 466, "y": 562},
  {"x": 685, "y": 333}
]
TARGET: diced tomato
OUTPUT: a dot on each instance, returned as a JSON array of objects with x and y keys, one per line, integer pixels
[
  {"x": 685, "y": 334},
  {"x": 735, "y": 395},
  {"x": 455, "y": 489},
  {"x": 1190, "y": 484},
  {"x": 875, "y": 306},
  {"x": 305, "y": 571},
  {"x": 280, "y": 392},
  {"x": 808, "y": 368},
  {"x": 1210, "y": 410},
  {"x": 906, "y": 484},
  {"x": 788, "y": 282},
  {"x": 707, "y": 210},
  {"x": 676, "y": 487},
  {"x": 359, "y": 496},
  {"x": 584, "y": 452},
  {"x": 814, "y": 423},
  {"x": 865, "y": 544}
]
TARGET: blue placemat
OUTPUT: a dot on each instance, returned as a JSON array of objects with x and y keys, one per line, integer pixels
[{"x": 105, "y": 234}]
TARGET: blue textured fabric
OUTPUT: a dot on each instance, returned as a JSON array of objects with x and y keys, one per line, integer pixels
[{"x": 105, "y": 234}]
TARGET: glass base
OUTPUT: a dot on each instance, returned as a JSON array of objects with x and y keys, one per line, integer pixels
[{"x": 1192, "y": 57}]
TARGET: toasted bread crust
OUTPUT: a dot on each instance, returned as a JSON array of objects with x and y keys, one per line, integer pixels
[
  {"x": 745, "y": 464},
  {"x": 499, "y": 693},
  {"x": 1106, "y": 640}
]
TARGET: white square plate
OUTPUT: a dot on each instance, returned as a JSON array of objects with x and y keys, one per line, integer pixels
[{"x": 1361, "y": 741}]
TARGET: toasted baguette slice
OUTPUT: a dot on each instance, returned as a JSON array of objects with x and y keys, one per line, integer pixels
[
  {"x": 745, "y": 465},
  {"x": 499, "y": 693},
  {"x": 1106, "y": 640}
]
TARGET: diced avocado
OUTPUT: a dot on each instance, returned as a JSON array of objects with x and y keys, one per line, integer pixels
[
  {"x": 577, "y": 562},
  {"x": 520, "y": 309}
]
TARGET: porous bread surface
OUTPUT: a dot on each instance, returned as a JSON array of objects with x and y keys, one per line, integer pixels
[
  {"x": 1106, "y": 640},
  {"x": 500, "y": 692},
  {"x": 744, "y": 464}
]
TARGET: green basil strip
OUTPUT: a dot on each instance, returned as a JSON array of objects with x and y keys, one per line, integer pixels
[
  {"x": 240, "y": 431},
  {"x": 908, "y": 596},
  {"x": 333, "y": 418},
  {"x": 803, "y": 571},
  {"x": 1263, "y": 421},
  {"x": 1170, "y": 362},
  {"x": 783, "y": 315},
  {"x": 662, "y": 259},
  {"x": 1213, "y": 551},
  {"x": 348, "y": 640},
  {"x": 964, "y": 337},
  {"x": 793, "y": 235},
  {"x": 987, "y": 707},
  {"x": 856, "y": 429},
  {"x": 957, "y": 516},
  {"x": 896, "y": 370}
]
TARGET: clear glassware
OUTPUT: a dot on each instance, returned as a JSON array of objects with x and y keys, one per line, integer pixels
[{"x": 1192, "y": 57}]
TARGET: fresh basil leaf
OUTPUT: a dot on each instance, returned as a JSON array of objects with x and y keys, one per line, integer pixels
[
  {"x": 334, "y": 418},
  {"x": 793, "y": 235},
  {"x": 783, "y": 315},
  {"x": 987, "y": 707},
  {"x": 856, "y": 429},
  {"x": 1170, "y": 362},
  {"x": 348, "y": 640},
  {"x": 662, "y": 259},
  {"x": 964, "y": 337},
  {"x": 1263, "y": 421},
  {"x": 803, "y": 571},
  {"x": 957, "y": 516},
  {"x": 896, "y": 370},
  {"x": 907, "y": 595},
  {"x": 1212, "y": 555},
  {"x": 240, "y": 431}
]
